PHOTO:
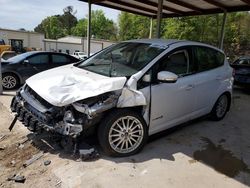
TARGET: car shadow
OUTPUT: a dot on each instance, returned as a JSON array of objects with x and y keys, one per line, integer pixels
[
  {"x": 201, "y": 140},
  {"x": 221, "y": 145}
]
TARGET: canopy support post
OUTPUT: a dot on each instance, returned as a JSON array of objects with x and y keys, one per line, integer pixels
[
  {"x": 222, "y": 33},
  {"x": 1, "y": 82},
  {"x": 151, "y": 28},
  {"x": 89, "y": 29},
  {"x": 159, "y": 17}
]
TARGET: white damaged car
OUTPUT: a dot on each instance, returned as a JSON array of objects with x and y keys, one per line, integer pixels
[{"x": 127, "y": 92}]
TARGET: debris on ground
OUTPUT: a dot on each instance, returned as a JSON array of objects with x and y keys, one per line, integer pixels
[
  {"x": 13, "y": 163},
  {"x": 87, "y": 154},
  {"x": 58, "y": 183},
  {"x": 2, "y": 137},
  {"x": 23, "y": 141},
  {"x": 47, "y": 162},
  {"x": 2, "y": 147},
  {"x": 33, "y": 159},
  {"x": 17, "y": 178}
]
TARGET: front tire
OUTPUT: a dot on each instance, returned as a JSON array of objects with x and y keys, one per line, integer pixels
[
  {"x": 220, "y": 108},
  {"x": 122, "y": 133},
  {"x": 10, "y": 81}
]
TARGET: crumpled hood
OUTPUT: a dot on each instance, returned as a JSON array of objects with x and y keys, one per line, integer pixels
[{"x": 67, "y": 84}]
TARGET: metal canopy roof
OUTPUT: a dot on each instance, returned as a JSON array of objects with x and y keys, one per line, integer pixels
[{"x": 175, "y": 8}]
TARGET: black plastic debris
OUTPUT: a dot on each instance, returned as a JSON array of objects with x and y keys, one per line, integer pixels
[
  {"x": 47, "y": 162},
  {"x": 88, "y": 154},
  {"x": 17, "y": 178}
]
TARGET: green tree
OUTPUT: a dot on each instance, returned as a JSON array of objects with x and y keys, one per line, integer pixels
[
  {"x": 58, "y": 26},
  {"x": 68, "y": 19},
  {"x": 51, "y": 27},
  {"x": 133, "y": 26},
  {"x": 81, "y": 28},
  {"x": 101, "y": 27}
]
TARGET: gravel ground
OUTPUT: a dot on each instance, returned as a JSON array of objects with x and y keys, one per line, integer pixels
[{"x": 202, "y": 153}]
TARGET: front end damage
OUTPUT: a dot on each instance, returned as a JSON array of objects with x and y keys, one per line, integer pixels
[{"x": 73, "y": 120}]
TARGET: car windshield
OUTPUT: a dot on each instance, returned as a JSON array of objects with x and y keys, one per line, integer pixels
[
  {"x": 123, "y": 59},
  {"x": 20, "y": 57}
]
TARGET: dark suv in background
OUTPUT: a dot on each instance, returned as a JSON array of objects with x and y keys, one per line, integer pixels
[
  {"x": 17, "y": 69},
  {"x": 242, "y": 71}
]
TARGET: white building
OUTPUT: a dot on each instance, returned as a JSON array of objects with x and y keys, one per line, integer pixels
[
  {"x": 36, "y": 41},
  {"x": 70, "y": 44},
  {"x": 27, "y": 39}
]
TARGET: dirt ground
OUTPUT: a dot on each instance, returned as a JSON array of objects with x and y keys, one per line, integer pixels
[{"x": 202, "y": 153}]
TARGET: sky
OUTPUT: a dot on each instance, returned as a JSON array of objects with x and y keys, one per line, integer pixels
[{"x": 27, "y": 14}]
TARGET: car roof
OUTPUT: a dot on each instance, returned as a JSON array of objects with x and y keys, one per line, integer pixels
[{"x": 168, "y": 42}]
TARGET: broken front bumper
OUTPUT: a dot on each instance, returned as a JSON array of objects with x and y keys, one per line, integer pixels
[{"x": 36, "y": 116}]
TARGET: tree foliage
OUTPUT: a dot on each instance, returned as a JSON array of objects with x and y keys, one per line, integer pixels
[
  {"x": 58, "y": 25},
  {"x": 133, "y": 26},
  {"x": 205, "y": 29},
  {"x": 101, "y": 27}
]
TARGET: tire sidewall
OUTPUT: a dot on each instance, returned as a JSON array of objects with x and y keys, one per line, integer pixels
[{"x": 214, "y": 115}]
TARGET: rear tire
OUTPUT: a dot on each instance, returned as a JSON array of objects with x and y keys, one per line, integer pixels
[
  {"x": 122, "y": 133},
  {"x": 10, "y": 81},
  {"x": 220, "y": 108}
]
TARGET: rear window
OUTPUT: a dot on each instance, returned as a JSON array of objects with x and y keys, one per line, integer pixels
[{"x": 208, "y": 58}]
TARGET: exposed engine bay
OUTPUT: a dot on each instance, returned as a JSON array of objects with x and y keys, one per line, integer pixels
[{"x": 71, "y": 120}]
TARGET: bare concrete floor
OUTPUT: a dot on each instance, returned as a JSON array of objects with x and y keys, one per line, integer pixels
[{"x": 200, "y": 154}]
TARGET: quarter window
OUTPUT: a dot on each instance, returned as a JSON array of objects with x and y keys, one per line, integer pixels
[
  {"x": 60, "y": 59},
  {"x": 208, "y": 58}
]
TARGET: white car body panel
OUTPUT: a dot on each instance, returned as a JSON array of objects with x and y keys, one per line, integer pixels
[
  {"x": 166, "y": 105},
  {"x": 172, "y": 103},
  {"x": 67, "y": 84}
]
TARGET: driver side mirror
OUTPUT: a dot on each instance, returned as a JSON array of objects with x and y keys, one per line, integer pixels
[
  {"x": 26, "y": 61},
  {"x": 167, "y": 77}
]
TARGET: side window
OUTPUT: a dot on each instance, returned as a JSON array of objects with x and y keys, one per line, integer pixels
[
  {"x": 60, "y": 59},
  {"x": 177, "y": 62},
  {"x": 39, "y": 59},
  {"x": 208, "y": 58},
  {"x": 244, "y": 62}
]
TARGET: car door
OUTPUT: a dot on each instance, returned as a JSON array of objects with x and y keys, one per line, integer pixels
[
  {"x": 209, "y": 77},
  {"x": 34, "y": 64},
  {"x": 172, "y": 103}
]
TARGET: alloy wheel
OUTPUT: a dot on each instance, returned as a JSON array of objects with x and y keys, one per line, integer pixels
[
  {"x": 126, "y": 134},
  {"x": 9, "y": 82}
]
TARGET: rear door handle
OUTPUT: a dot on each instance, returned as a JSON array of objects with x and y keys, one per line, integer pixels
[{"x": 189, "y": 87}]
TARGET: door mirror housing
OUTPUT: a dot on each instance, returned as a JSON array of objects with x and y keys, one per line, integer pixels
[
  {"x": 26, "y": 61},
  {"x": 167, "y": 77}
]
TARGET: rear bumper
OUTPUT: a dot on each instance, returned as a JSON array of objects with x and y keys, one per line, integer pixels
[{"x": 241, "y": 79}]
